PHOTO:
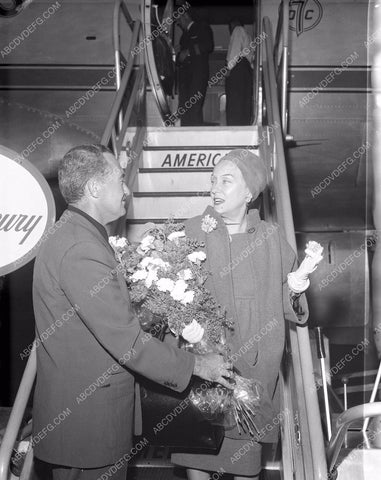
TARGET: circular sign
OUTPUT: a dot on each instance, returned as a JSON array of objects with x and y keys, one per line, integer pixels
[
  {"x": 304, "y": 15},
  {"x": 27, "y": 210}
]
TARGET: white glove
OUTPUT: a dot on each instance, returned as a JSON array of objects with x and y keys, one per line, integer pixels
[
  {"x": 298, "y": 281},
  {"x": 193, "y": 332}
]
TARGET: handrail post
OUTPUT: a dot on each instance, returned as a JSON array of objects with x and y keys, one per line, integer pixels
[
  {"x": 116, "y": 41},
  {"x": 341, "y": 426},
  {"x": 257, "y": 30},
  {"x": 17, "y": 414},
  {"x": 118, "y": 8},
  {"x": 120, "y": 93},
  {"x": 283, "y": 203},
  {"x": 286, "y": 8}
]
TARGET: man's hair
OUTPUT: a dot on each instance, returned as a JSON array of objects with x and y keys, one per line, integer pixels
[{"x": 78, "y": 166}]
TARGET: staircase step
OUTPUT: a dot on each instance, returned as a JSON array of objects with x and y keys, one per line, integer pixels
[
  {"x": 184, "y": 157},
  {"x": 164, "y": 204},
  {"x": 360, "y": 456},
  {"x": 183, "y": 193},
  {"x": 158, "y": 180},
  {"x": 241, "y": 136},
  {"x": 359, "y": 463}
]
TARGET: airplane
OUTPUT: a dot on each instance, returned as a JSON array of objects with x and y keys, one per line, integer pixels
[{"x": 69, "y": 78}]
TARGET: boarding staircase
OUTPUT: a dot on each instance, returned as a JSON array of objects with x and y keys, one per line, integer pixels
[
  {"x": 173, "y": 177},
  {"x": 168, "y": 171}
]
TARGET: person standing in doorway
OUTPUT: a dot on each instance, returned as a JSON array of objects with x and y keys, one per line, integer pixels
[
  {"x": 239, "y": 80},
  {"x": 196, "y": 43}
]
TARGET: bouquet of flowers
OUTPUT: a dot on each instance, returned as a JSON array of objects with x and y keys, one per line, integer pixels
[{"x": 166, "y": 276}]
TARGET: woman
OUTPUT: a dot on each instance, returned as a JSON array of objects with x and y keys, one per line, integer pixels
[{"x": 249, "y": 261}]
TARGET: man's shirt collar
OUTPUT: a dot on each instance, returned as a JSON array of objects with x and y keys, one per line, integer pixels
[{"x": 92, "y": 220}]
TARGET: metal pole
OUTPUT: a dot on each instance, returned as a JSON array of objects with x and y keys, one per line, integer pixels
[
  {"x": 373, "y": 396},
  {"x": 116, "y": 41},
  {"x": 375, "y": 60},
  {"x": 17, "y": 414},
  {"x": 286, "y": 8},
  {"x": 345, "y": 383},
  {"x": 321, "y": 354}
]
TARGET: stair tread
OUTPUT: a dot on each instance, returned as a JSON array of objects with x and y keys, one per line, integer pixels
[
  {"x": 172, "y": 194},
  {"x": 153, "y": 148},
  {"x": 208, "y": 137},
  {"x": 145, "y": 170}
]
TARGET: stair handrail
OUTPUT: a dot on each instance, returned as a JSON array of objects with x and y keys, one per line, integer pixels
[
  {"x": 341, "y": 425},
  {"x": 281, "y": 68},
  {"x": 285, "y": 29},
  {"x": 119, "y": 8},
  {"x": 17, "y": 414},
  {"x": 257, "y": 59},
  {"x": 301, "y": 357},
  {"x": 278, "y": 34},
  {"x": 115, "y": 130}
]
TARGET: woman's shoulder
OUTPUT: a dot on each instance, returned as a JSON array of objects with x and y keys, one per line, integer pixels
[
  {"x": 270, "y": 227},
  {"x": 193, "y": 226},
  {"x": 255, "y": 222},
  {"x": 193, "y": 222},
  {"x": 278, "y": 235}
]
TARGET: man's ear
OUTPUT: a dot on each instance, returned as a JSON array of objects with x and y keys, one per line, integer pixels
[{"x": 93, "y": 187}]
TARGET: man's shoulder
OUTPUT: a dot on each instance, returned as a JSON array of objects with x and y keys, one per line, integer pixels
[{"x": 68, "y": 231}]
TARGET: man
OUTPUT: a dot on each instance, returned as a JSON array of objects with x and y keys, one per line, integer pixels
[
  {"x": 196, "y": 43},
  {"x": 84, "y": 398},
  {"x": 239, "y": 80}
]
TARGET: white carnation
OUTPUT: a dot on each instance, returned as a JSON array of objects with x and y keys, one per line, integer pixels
[
  {"x": 185, "y": 274},
  {"x": 178, "y": 292},
  {"x": 148, "y": 262},
  {"x": 174, "y": 235},
  {"x": 188, "y": 297},
  {"x": 151, "y": 277},
  {"x": 158, "y": 262},
  {"x": 197, "y": 257},
  {"x": 118, "y": 242},
  {"x": 147, "y": 243},
  {"x": 139, "y": 275},
  {"x": 193, "y": 332},
  {"x": 165, "y": 284}
]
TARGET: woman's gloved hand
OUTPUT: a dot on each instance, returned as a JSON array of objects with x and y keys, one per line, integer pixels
[{"x": 298, "y": 281}]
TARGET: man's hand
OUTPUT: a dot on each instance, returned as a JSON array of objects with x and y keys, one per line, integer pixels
[{"x": 213, "y": 367}]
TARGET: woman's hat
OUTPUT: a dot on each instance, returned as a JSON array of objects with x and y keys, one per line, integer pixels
[{"x": 252, "y": 168}]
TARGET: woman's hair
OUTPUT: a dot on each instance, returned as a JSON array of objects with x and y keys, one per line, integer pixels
[
  {"x": 234, "y": 22},
  {"x": 78, "y": 166}
]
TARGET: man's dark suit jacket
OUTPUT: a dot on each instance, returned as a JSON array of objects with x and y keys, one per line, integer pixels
[
  {"x": 194, "y": 72},
  {"x": 83, "y": 412}
]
